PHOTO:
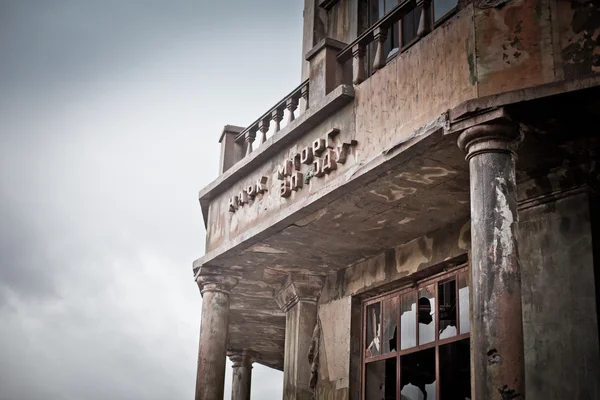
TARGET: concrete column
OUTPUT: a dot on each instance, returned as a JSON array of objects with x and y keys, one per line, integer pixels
[
  {"x": 210, "y": 380},
  {"x": 298, "y": 298},
  {"x": 498, "y": 369},
  {"x": 242, "y": 374}
]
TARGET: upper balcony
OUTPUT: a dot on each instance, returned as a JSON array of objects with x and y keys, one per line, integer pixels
[{"x": 360, "y": 157}]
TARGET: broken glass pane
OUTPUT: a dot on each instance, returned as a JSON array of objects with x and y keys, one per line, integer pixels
[
  {"x": 390, "y": 325},
  {"x": 463, "y": 303},
  {"x": 427, "y": 314},
  {"x": 373, "y": 334},
  {"x": 455, "y": 371},
  {"x": 381, "y": 379},
  {"x": 417, "y": 375},
  {"x": 408, "y": 320},
  {"x": 447, "y": 308}
]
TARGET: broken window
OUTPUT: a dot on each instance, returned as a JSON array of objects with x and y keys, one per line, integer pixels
[
  {"x": 427, "y": 314},
  {"x": 390, "y": 325},
  {"x": 408, "y": 320},
  {"x": 464, "y": 303},
  {"x": 416, "y": 341},
  {"x": 373, "y": 333},
  {"x": 447, "y": 309}
]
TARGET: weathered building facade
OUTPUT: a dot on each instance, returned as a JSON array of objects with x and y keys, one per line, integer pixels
[{"x": 420, "y": 218}]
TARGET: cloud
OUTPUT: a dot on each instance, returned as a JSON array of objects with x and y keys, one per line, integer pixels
[{"x": 109, "y": 123}]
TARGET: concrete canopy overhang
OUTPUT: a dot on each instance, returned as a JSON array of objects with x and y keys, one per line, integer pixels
[{"x": 416, "y": 186}]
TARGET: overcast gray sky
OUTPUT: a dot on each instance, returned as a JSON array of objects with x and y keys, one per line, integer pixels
[{"x": 110, "y": 112}]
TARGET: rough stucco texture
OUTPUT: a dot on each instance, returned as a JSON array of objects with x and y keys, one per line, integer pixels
[{"x": 559, "y": 306}]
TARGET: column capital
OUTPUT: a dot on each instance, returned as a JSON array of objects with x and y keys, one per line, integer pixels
[
  {"x": 215, "y": 282},
  {"x": 500, "y": 136},
  {"x": 298, "y": 288},
  {"x": 240, "y": 358}
]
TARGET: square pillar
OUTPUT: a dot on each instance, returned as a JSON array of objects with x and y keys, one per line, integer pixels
[
  {"x": 325, "y": 72},
  {"x": 231, "y": 152},
  {"x": 298, "y": 298}
]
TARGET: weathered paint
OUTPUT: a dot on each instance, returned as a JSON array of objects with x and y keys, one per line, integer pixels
[{"x": 498, "y": 368}]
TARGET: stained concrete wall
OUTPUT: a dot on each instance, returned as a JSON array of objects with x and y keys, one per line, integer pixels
[
  {"x": 559, "y": 300},
  {"x": 224, "y": 226}
]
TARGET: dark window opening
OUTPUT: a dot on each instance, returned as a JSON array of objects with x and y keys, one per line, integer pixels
[
  {"x": 455, "y": 371},
  {"x": 410, "y": 26},
  {"x": 381, "y": 380},
  {"x": 417, "y": 372}
]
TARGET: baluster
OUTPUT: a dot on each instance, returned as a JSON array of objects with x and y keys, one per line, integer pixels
[
  {"x": 358, "y": 63},
  {"x": 291, "y": 104},
  {"x": 425, "y": 20},
  {"x": 250, "y": 136},
  {"x": 277, "y": 116},
  {"x": 380, "y": 34},
  {"x": 263, "y": 127},
  {"x": 304, "y": 94}
]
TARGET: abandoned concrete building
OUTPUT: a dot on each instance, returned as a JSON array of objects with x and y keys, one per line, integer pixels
[{"x": 420, "y": 218}]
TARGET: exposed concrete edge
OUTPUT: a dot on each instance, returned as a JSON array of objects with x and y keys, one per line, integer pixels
[
  {"x": 359, "y": 175},
  {"x": 323, "y": 43},
  {"x": 477, "y": 105},
  {"x": 335, "y": 100}
]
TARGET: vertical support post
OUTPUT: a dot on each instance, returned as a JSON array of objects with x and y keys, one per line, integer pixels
[
  {"x": 263, "y": 127},
  {"x": 242, "y": 374},
  {"x": 304, "y": 94},
  {"x": 358, "y": 64},
  {"x": 498, "y": 368},
  {"x": 214, "y": 327},
  {"x": 380, "y": 35},
  {"x": 291, "y": 104},
  {"x": 250, "y": 137},
  {"x": 425, "y": 19},
  {"x": 277, "y": 116},
  {"x": 298, "y": 298}
]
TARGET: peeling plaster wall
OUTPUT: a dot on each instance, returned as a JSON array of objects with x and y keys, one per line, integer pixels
[
  {"x": 559, "y": 300},
  {"x": 579, "y": 37},
  {"x": 400, "y": 262},
  {"x": 417, "y": 86}
]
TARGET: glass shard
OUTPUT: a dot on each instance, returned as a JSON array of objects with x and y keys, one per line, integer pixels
[
  {"x": 447, "y": 309},
  {"x": 426, "y": 314},
  {"x": 408, "y": 321},
  {"x": 390, "y": 325},
  {"x": 417, "y": 375},
  {"x": 373, "y": 333}
]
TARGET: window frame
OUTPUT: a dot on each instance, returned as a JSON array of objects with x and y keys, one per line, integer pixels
[
  {"x": 436, "y": 279},
  {"x": 398, "y": 25}
]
